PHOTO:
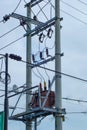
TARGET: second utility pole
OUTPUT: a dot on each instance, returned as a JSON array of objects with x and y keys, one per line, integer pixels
[
  {"x": 58, "y": 91},
  {"x": 28, "y": 68}
]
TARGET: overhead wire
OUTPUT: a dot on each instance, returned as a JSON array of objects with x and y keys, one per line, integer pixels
[
  {"x": 17, "y": 6},
  {"x": 82, "y": 2},
  {"x": 61, "y": 73},
  {"x": 76, "y": 112},
  {"x": 9, "y": 31},
  {"x": 75, "y": 100},
  {"x": 37, "y": 75},
  {"x": 81, "y": 21},
  {"x": 41, "y": 10},
  {"x": 9, "y": 44},
  {"x": 73, "y": 7},
  {"x": 70, "y": 15}
]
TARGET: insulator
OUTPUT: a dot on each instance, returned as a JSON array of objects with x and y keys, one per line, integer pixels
[
  {"x": 5, "y": 18},
  {"x": 22, "y": 22},
  {"x": 45, "y": 87},
  {"x": 35, "y": 17},
  {"x": 40, "y": 85},
  {"x": 49, "y": 84},
  {"x": 41, "y": 37},
  {"x": 41, "y": 56},
  {"x": 47, "y": 52},
  {"x": 33, "y": 57},
  {"x": 15, "y": 57},
  {"x": 49, "y": 33}
]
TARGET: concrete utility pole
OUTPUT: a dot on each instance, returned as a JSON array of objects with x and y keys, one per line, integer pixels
[
  {"x": 28, "y": 68},
  {"x": 58, "y": 95}
]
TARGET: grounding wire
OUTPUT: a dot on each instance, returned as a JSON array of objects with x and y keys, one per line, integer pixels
[
  {"x": 9, "y": 44},
  {"x": 9, "y": 31},
  {"x": 73, "y": 7}
]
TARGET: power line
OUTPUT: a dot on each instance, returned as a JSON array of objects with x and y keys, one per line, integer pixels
[
  {"x": 61, "y": 73},
  {"x": 9, "y": 44},
  {"x": 82, "y": 2},
  {"x": 75, "y": 100},
  {"x": 74, "y": 17},
  {"x": 9, "y": 31},
  {"x": 81, "y": 21},
  {"x": 82, "y": 112},
  {"x": 73, "y": 7},
  {"x": 17, "y": 6}
]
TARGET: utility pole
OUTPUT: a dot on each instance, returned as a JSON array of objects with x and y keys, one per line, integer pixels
[
  {"x": 28, "y": 68},
  {"x": 58, "y": 95},
  {"x": 6, "y": 92}
]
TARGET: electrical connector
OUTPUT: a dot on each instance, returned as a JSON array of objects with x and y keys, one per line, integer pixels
[{"x": 15, "y": 57}]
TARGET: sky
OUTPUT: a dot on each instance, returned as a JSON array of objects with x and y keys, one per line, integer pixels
[{"x": 74, "y": 61}]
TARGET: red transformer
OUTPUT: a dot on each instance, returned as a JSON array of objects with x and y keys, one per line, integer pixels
[{"x": 50, "y": 102}]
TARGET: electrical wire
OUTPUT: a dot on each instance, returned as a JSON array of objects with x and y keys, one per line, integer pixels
[
  {"x": 11, "y": 107},
  {"x": 73, "y": 7},
  {"x": 40, "y": 73},
  {"x": 75, "y": 100},
  {"x": 37, "y": 75},
  {"x": 9, "y": 44},
  {"x": 46, "y": 72},
  {"x": 74, "y": 17},
  {"x": 9, "y": 31},
  {"x": 61, "y": 73},
  {"x": 70, "y": 15},
  {"x": 82, "y": 2},
  {"x": 82, "y": 112},
  {"x": 1, "y": 21},
  {"x": 41, "y": 10},
  {"x": 17, "y": 6},
  {"x": 17, "y": 102},
  {"x": 1, "y": 65}
]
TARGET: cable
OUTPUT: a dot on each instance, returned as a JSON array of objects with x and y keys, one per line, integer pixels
[
  {"x": 1, "y": 65},
  {"x": 75, "y": 100},
  {"x": 46, "y": 72},
  {"x": 41, "y": 10},
  {"x": 17, "y": 6},
  {"x": 82, "y": 2},
  {"x": 74, "y": 17},
  {"x": 37, "y": 75},
  {"x": 11, "y": 43},
  {"x": 11, "y": 107},
  {"x": 40, "y": 73},
  {"x": 73, "y": 7},
  {"x": 17, "y": 102},
  {"x": 9, "y": 31},
  {"x": 70, "y": 15},
  {"x": 83, "y": 112},
  {"x": 1, "y": 21},
  {"x": 61, "y": 73}
]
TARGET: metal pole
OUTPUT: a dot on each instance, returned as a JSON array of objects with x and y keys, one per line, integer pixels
[
  {"x": 58, "y": 91},
  {"x": 6, "y": 92},
  {"x": 28, "y": 68}
]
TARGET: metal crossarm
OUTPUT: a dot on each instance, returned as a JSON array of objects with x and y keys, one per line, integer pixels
[{"x": 21, "y": 17}]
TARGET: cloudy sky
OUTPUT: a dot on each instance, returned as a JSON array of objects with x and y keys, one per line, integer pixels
[{"x": 74, "y": 61}]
